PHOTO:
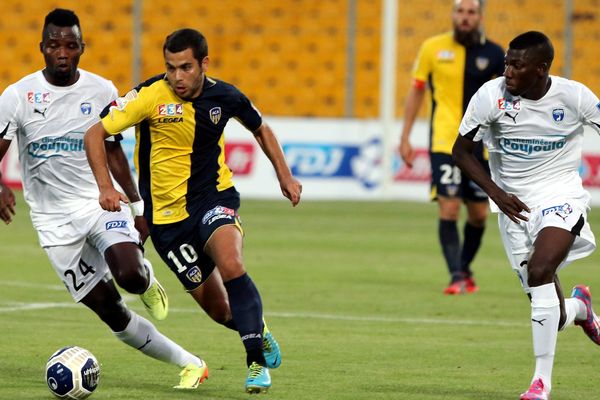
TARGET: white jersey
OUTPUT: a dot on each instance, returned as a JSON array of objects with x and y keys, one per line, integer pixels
[
  {"x": 49, "y": 123},
  {"x": 535, "y": 146}
]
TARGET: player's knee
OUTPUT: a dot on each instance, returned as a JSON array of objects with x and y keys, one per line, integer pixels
[
  {"x": 539, "y": 274},
  {"x": 133, "y": 278},
  {"x": 231, "y": 269}
]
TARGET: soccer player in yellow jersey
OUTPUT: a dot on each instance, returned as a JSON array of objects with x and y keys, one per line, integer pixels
[
  {"x": 454, "y": 65},
  {"x": 190, "y": 201}
]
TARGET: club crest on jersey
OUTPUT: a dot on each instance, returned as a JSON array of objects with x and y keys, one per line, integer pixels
[
  {"x": 38, "y": 97},
  {"x": 558, "y": 114},
  {"x": 598, "y": 106},
  {"x": 215, "y": 114},
  {"x": 170, "y": 109},
  {"x": 194, "y": 274},
  {"x": 509, "y": 105},
  {"x": 86, "y": 108},
  {"x": 482, "y": 63}
]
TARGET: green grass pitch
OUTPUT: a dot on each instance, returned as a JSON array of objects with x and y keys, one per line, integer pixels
[{"x": 351, "y": 290}]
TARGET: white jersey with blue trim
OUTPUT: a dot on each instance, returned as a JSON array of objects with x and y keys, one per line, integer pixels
[
  {"x": 535, "y": 146},
  {"x": 49, "y": 123}
]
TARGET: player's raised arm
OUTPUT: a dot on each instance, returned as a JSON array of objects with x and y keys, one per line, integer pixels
[
  {"x": 290, "y": 187},
  {"x": 110, "y": 199}
]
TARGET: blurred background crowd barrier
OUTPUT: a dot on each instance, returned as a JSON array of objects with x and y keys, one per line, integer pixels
[{"x": 315, "y": 67}]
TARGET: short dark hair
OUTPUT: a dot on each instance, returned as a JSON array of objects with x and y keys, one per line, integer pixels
[
  {"x": 540, "y": 44},
  {"x": 187, "y": 38},
  {"x": 60, "y": 17}
]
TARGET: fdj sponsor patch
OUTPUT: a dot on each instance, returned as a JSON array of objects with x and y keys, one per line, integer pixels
[
  {"x": 217, "y": 213},
  {"x": 115, "y": 225},
  {"x": 564, "y": 209}
]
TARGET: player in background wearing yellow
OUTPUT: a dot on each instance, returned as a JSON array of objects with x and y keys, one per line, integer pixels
[
  {"x": 48, "y": 112},
  {"x": 191, "y": 203},
  {"x": 454, "y": 65}
]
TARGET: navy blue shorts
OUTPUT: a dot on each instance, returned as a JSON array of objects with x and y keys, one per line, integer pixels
[
  {"x": 181, "y": 244},
  {"x": 447, "y": 180}
]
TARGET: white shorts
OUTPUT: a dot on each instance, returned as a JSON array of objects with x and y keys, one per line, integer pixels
[
  {"x": 562, "y": 213},
  {"x": 76, "y": 249}
]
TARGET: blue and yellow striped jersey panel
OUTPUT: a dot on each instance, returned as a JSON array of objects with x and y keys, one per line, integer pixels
[
  {"x": 180, "y": 145},
  {"x": 454, "y": 74}
]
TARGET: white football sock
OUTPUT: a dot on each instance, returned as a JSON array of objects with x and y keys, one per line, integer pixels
[
  {"x": 575, "y": 310},
  {"x": 545, "y": 316},
  {"x": 143, "y": 336}
]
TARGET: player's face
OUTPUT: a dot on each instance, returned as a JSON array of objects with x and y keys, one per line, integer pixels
[
  {"x": 521, "y": 72},
  {"x": 466, "y": 16},
  {"x": 61, "y": 46},
  {"x": 185, "y": 74}
]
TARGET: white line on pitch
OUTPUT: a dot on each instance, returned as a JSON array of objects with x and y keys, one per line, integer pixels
[{"x": 13, "y": 307}]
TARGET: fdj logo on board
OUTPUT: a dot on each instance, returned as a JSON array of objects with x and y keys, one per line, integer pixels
[{"x": 358, "y": 162}]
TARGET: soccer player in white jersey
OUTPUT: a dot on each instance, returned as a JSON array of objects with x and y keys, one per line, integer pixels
[
  {"x": 48, "y": 113},
  {"x": 532, "y": 124}
]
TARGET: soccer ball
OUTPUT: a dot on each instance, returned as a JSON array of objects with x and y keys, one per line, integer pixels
[{"x": 72, "y": 372}]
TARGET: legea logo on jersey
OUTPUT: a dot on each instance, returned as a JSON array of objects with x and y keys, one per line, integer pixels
[
  {"x": 116, "y": 225},
  {"x": 598, "y": 106},
  {"x": 55, "y": 146},
  {"x": 38, "y": 97},
  {"x": 530, "y": 147},
  {"x": 170, "y": 109},
  {"x": 509, "y": 105},
  {"x": 360, "y": 162}
]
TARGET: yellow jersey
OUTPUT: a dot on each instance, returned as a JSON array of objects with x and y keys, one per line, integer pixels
[
  {"x": 180, "y": 145},
  {"x": 454, "y": 73}
]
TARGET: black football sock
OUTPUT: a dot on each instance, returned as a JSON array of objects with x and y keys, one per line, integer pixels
[
  {"x": 448, "y": 235},
  {"x": 471, "y": 243},
  {"x": 230, "y": 324},
  {"x": 246, "y": 309}
]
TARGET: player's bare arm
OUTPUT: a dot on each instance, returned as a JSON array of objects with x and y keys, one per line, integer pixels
[
  {"x": 7, "y": 198},
  {"x": 120, "y": 170},
  {"x": 290, "y": 187},
  {"x": 414, "y": 99},
  {"x": 110, "y": 199},
  {"x": 511, "y": 205}
]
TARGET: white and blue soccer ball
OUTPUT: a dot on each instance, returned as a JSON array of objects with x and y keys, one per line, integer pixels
[{"x": 72, "y": 372}]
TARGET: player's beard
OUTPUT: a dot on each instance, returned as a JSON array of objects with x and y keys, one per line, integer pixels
[{"x": 467, "y": 39}]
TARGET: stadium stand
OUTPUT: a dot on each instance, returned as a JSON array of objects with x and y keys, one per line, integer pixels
[{"x": 289, "y": 56}]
